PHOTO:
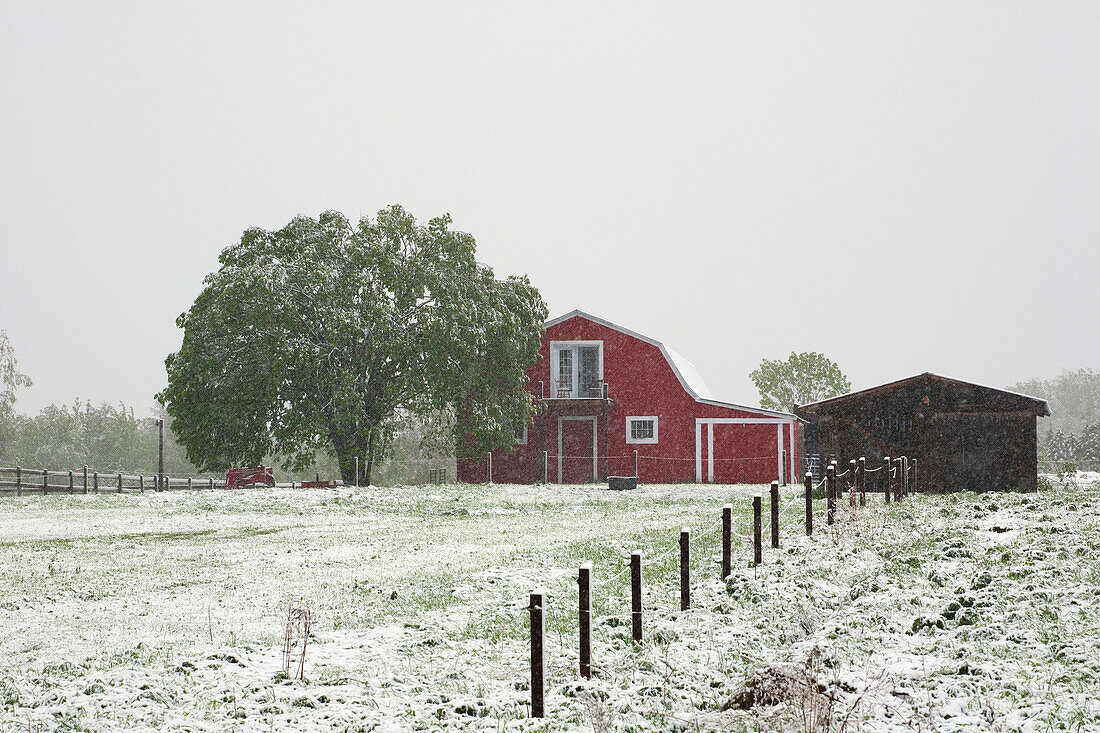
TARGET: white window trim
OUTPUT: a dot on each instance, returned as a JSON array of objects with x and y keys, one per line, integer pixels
[
  {"x": 556, "y": 346},
  {"x": 641, "y": 441},
  {"x": 524, "y": 440}
]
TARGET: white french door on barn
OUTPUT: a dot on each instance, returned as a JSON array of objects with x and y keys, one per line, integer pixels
[{"x": 576, "y": 369}]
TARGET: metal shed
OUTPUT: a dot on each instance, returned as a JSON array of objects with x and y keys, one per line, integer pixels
[{"x": 964, "y": 436}]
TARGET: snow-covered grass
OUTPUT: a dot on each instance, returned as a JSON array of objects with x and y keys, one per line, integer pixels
[{"x": 166, "y": 611}]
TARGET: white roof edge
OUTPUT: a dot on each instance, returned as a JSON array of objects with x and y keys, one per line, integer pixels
[
  {"x": 773, "y": 413},
  {"x": 706, "y": 399}
]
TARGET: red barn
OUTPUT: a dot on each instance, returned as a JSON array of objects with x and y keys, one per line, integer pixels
[{"x": 608, "y": 392}]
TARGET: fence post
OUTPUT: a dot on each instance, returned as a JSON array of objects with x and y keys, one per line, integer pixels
[
  {"x": 862, "y": 481},
  {"x": 905, "y": 463},
  {"x": 635, "y": 464},
  {"x": 141, "y": 483},
  {"x": 584, "y": 617},
  {"x": 775, "y": 513},
  {"x": 852, "y": 465},
  {"x": 886, "y": 467},
  {"x": 356, "y": 472},
  {"x": 546, "y": 467},
  {"x": 120, "y": 483},
  {"x": 809, "y": 504},
  {"x": 636, "y": 594},
  {"x": 785, "y": 469},
  {"x": 685, "y": 569},
  {"x": 490, "y": 469},
  {"x": 95, "y": 481},
  {"x": 211, "y": 484},
  {"x": 160, "y": 453},
  {"x": 70, "y": 482},
  {"x": 757, "y": 530},
  {"x": 45, "y": 481},
  {"x": 85, "y": 478},
  {"x": 190, "y": 483},
  {"x": 830, "y": 493},
  {"x": 899, "y": 490},
  {"x": 727, "y": 535},
  {"x": 18, "y": 481},
  {"x": 913, "y": 477},
  {"x": 538, "y": 628}
]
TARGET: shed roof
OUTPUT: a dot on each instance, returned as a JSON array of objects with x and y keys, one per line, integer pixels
[
  {"x": 839, "y": 403},
  {"x": 685, "y": 371}
]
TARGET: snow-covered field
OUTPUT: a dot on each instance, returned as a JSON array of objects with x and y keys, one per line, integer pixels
[{"x": 166, "y": 611}]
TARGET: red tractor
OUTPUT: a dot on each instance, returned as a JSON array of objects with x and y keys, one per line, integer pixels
[{"x": 238, "y": 478}]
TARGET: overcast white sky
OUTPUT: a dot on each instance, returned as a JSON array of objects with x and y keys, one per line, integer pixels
[{"x": 903, "y": 186}]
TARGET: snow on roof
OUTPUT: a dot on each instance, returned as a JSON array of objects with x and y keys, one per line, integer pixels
[
  {"x": 684, "y": 370},
  {"x": 690, "y": 375}
]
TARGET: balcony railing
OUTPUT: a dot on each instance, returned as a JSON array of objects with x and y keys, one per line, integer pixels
[{"x": 592, "y": 391}]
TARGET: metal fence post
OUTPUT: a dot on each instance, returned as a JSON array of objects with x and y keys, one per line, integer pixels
[
  {"x": 757, "y": 530},
  {"x": 685, "y": 569},
  {"x": 809, "y": 504},
  {"x": 727, "y": 536},
  {"x": 584, "y": 618},
  {"x": 775, "y": 513},
  {"x": 538, "y": 629},
  {"x": 636, "y": 594}
]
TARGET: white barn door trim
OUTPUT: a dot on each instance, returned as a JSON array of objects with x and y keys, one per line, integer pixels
[
  {"x": 710, "y": 422},
  {"x": 595, "y": 444}
]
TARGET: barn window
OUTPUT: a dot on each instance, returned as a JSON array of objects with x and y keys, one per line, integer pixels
[
  {"x": 576, "y": 369},
  {"x": 520, "y": 434},
  {"x": 641, "y": 429}
]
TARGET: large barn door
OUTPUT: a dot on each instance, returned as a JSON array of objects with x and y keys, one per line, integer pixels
[{"x": 577, "y": 450}]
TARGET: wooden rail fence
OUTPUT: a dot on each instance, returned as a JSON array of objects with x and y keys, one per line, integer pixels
[{"x": 20, "y": 481}]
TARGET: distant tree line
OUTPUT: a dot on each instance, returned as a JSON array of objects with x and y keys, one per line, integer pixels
[
  {"x": 105, "y": 438},
  {"x": 1072, "y": 432},
  {"x": 112, "y": 439}
]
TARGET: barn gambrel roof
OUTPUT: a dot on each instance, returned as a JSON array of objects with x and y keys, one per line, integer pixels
[{"x": 685, "y": 371}]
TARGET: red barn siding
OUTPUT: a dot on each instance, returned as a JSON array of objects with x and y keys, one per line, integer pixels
[{"x": 642, "y": 382}]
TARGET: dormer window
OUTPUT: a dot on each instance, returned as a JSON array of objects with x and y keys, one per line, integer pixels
[{"x": 576, "y": 369}]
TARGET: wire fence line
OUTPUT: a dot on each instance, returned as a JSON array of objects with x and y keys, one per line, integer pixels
[
  {"x": 588, "y": 457},
  {"x": 835, "y": 488}
]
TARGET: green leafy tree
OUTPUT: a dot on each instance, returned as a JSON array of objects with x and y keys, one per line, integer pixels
[
  {"x": 11, "y": 380},
  {"x": 798, "y": 380},
  {"x": 317, "y": 336}
]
